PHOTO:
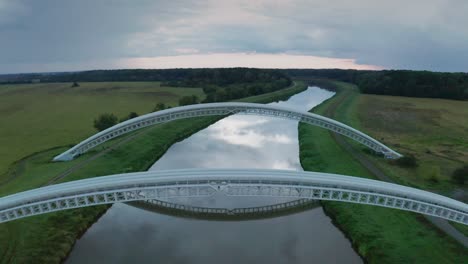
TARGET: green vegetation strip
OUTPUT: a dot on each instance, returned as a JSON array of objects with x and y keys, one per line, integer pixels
[
  {"x": 380, "y": 235},
  {"x": 49, "y": 238}
]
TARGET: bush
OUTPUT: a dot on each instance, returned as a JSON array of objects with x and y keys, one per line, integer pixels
[
  {"x": 105, "y": 121},
  {"x": 460, "y": 175},
  {"x": 159, "y": 107},
  {"x": 130, "y": 116},
  {"x": 188, "y": 100},
  {"x": 407, "y": 161}
]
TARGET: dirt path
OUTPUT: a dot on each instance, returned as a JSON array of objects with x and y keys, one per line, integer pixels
[{"x": 442, "y": 224}]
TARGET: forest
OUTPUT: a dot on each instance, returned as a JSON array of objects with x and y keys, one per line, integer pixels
[
  {"x": 233, "y": 83},
  {"x": 219, "y": 84},
  {"x": 222, "y": 84},
  {"x": 396, "y": 82}
]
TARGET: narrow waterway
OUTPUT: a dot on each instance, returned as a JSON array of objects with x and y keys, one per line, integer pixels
[{"x": 127, "y": 234}]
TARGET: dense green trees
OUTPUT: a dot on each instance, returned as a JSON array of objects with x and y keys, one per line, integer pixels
[
  {"x": 233, "y": 83},
  {"x": 173, "y": 77},
  {"x": 415, "y": 84},
  {"x": 220, "y": 84},
  {"x": 397, "y": 82},
  {"x": 105, "y": 121}
]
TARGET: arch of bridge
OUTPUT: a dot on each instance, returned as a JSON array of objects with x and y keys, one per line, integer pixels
[
  {"x": 212, "y": 109},
  {"x": 146, "y": 186}
]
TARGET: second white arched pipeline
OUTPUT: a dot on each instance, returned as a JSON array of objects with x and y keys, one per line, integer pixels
[{"x": 212, "y": 109}]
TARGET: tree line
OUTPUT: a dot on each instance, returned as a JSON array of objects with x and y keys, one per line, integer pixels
[
  {"x": 218, "y": 76},
  {"x": 219, "y": 84},
  {"x": 225, "y": 84},
  {"x": 415, "y": 84},
  {"x": 396, "y": 82}
]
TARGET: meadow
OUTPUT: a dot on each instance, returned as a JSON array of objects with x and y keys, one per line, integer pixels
[
  {"x": 34, "y": 117},
  {"x": 380, "y": 235},
  {"x": 435, "y": 131}
]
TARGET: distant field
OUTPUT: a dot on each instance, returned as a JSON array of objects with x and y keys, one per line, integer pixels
[
  {"x": 434, "y": 130},
  {"x": 34, "y": 117}
]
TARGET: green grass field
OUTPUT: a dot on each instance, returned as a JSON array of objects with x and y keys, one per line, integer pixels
[
  {"x": 435, "y": 131},
  {"x": 48, "y": 238},
  {"x": 380, "y": 235},
  {"x": 34, "y": 117}
]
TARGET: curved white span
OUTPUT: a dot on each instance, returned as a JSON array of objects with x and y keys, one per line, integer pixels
[
  {"x": 224, "y": 109},
  {"x": 146, "y": 186}
]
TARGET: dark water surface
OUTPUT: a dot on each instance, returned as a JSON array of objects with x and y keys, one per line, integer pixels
[{"x": 127, "y": 234}]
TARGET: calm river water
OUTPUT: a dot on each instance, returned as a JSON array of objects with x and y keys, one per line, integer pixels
[{"x": 126, "y": 234}]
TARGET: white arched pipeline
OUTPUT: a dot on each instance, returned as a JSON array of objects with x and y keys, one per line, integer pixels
[
  {"x": 163, "y": 185},
  {"x": 212, "y": 109}
]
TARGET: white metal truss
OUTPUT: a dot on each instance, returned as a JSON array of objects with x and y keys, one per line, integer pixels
[
  {"x": 213, "y": 109},
  {"x": 162, "y": 185}
]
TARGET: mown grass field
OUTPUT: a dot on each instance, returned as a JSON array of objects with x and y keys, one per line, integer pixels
[
  {"x": 34, "y": 117},
  {"x": 381, "y": 235},
  {"x": 48, "y": 238}
]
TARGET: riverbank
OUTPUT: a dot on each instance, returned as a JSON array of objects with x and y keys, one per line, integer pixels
[
  {"x": 379, "y": 235},
  {"x": 49, "y": 238}
]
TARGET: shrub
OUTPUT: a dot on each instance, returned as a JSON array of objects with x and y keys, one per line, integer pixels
[
  {"x": 407, "y": 161},
  {"x": 460, "y": 175},
  {"x": 130, "y": 116},
  {"x": 188, "y": 100},
  {"x": 159, "y": 107},
  {"x": 105, "y": 121}
]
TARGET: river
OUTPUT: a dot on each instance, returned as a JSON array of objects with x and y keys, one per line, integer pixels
[{"x": 125, "y": 234}]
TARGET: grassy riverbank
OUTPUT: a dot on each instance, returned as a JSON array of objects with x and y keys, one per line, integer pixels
[
  {"x": 34, "y": 117},
  {"x": 380, "y": 235},
  {"x": 48, "y": 238}
]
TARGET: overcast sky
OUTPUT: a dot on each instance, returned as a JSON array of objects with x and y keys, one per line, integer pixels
[{"x": 62, "y": 35}]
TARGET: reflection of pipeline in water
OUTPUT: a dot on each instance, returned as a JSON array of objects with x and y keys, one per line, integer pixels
[{"x": 236, "y": 214}]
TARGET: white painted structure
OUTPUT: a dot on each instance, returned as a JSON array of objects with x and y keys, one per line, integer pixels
[
  {"x": 163, "y": 185},
  {"x": 228, "y": 108}
]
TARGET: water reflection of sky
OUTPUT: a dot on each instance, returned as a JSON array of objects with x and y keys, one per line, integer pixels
[
  {"x": 241, "y": 141},
  {"x": 130, "y": 235}
]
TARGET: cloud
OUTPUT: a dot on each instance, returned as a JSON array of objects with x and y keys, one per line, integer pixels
[
  {"x": 186, "y": 50},
  {"x": 415, "y": 34},
  {"x": 253, "y": 60}
]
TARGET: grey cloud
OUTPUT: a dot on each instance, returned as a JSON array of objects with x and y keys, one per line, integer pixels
[{"x": 419, "y": 34}]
